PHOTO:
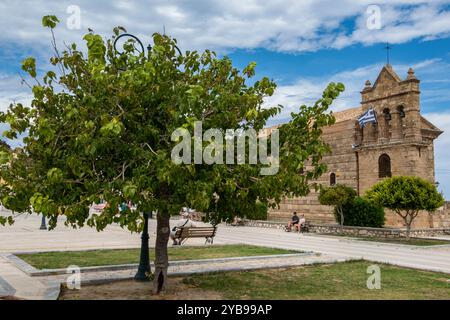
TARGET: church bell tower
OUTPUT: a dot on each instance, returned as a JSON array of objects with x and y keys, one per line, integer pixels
[{"x": 400, "y": 140}]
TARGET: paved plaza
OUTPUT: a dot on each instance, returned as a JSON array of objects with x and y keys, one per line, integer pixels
[{"x": 25, "y": 236}]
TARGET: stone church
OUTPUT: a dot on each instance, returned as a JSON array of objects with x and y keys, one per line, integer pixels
[{"x": 399, "y": 143}]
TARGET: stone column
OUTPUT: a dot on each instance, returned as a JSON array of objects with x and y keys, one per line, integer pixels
[
  {"x": 397, "y": 127},
  {"x": 412, "y": 130},
  {"x": 374, "y": 132},
  {"x": 383, "y": 127}
]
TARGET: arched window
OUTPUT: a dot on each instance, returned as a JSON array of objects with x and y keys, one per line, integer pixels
[
  {"x": 387, "y": 114},
  {"x": 384, "y": 166},
  {"x": 332, "y": 179},
  {"x": 401, "y": 110}
]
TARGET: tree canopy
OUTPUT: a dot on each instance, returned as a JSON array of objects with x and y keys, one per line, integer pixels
[
  {"x": 100, "y": 127},
  {"x": 337, "y": 196},
  {"x": 406, "y": 196}
]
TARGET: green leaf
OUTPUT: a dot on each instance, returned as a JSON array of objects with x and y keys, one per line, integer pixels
[
  {"x": 129, "y": 191},
  {"x": 96, "y": 48},
  {"x": 4, "y": 157},
  {"x": 55, "y": 175},
  {"x": 29, "y": 66},
  {"x": 50, "y": 21},
  {"x": 114, "y": 127}
]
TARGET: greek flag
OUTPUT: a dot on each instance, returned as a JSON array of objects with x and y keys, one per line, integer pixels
[{"x": 368, "y": 117}]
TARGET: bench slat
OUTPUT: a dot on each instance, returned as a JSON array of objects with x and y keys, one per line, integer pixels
[{"x": 200, "y": 232}]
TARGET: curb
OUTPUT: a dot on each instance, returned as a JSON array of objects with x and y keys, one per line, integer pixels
[{"x": 33, "y": 272}]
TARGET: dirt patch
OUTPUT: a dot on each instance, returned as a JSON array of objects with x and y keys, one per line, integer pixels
[{"x": 135, "y": 290}]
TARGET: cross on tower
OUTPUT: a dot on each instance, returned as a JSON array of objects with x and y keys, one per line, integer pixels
[{"x": 387, "y": 47}]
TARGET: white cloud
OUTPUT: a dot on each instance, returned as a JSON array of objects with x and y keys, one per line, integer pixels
[
  {"x": 281, "y": 25},
  {"x": 308, "y": 90}
]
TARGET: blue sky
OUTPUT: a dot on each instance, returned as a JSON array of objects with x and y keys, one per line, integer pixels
[{"x": 302, "y": 45}]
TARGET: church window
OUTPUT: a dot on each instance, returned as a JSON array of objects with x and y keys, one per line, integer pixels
[
  {"x": 332, "y": 179},
  {"x": 401, "y": 110},
  {"x": 384, "y": 166},
  {"x": 387, "y": 114}
]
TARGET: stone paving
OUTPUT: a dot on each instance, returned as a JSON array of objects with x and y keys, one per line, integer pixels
[{"x": 25, "y": 236}]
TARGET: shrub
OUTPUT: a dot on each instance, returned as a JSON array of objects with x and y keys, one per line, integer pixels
[
  {"x": 361, "y": 213},
  {"x": 260, "y": 212},
  {"x": 337, "y": 196}
]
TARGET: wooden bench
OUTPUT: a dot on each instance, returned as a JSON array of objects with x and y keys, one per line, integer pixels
[
  {"x": 305, "y": 227},
  {"x": 184, "y": 233}
]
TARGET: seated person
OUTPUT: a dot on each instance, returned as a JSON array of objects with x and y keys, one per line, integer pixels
[
  {"x": 236, "y": 221},
  {"x": 183, "y": 223},
  {"x": 295, "y": 221},
  {"x": 301, "y": 221}
]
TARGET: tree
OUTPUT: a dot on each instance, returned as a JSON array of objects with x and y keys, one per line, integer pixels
[
  {"x": 337, "y": 196},
  {"x": 406, "y": 196},
  {"x": 101, "y": 128}
]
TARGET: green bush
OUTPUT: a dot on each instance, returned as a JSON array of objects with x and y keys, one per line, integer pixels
[
  {"x": 361, "y": 213},
  {"x": 337, "y": 196},
  {"x": 260, "y": 212}
]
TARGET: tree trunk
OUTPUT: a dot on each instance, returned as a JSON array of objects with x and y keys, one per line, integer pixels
[
  {"x": 408, "y": 229},
  {"x": 341, "y": 212},
  {"x": 408, "y": 221},
  {"x": 161, "y": 256}
]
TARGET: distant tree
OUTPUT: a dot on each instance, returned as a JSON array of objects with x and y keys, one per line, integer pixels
[
  {"x": 337, "y": 196},
  {"x": 406, "y": 196},
  {"x": 100, "y": 128}
]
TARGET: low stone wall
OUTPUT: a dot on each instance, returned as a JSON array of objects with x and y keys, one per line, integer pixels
[{"x": 354, "y": 231}]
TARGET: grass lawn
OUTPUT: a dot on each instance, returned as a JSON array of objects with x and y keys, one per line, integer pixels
[
  {"x": 411, "y": 241},
  {"x": 337, "y": 281},
  {"x": 326, "y": 281},
  {"x": 56, "y": 260}
]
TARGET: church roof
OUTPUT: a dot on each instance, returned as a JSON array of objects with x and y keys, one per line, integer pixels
[
  {"x": 387, "y": 69},
  {"x": 348, "y": 114}
]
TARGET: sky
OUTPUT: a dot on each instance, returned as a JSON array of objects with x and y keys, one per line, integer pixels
[{"x": 301, "y": 44}]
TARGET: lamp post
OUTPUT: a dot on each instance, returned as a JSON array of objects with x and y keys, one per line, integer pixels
[
  {"x": 43, "y": 224},
  {"x": 144, "y": 261}
]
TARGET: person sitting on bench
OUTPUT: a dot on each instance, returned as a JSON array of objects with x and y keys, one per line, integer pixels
[
  {"x": 183, "y": 223},
  {"x": 301, "y": 222},
  {"x": 295, "y": 221}
]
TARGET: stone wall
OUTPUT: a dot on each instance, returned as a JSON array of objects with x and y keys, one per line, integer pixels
[
  {"x": 342, "y": 162},
  {"x": 354, "y": 231},
  {"x": 442, "y": 216}
]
